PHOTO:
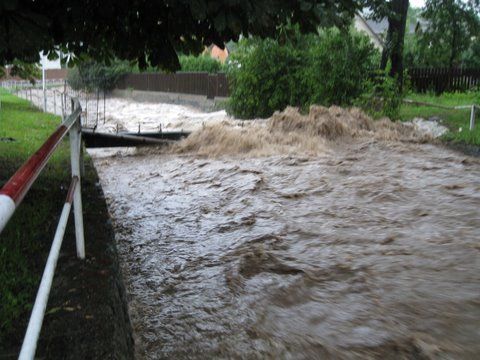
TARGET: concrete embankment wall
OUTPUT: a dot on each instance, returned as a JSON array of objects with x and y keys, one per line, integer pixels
[{"x": 198, "y": 101}]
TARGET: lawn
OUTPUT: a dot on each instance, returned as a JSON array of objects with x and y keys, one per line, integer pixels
[
  {"x": 457, "y": 121},
  {"x": 87, "y": 296},
  {"x": 25, "y": 242}
]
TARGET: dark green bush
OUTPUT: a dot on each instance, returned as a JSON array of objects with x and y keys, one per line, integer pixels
[
  {"x": 329, "y": 68},
  {"x": 91, "y": 76},
  {"x": 27, "y": 71},
  {"x": 338, "y": 68},
  {"x": 264, "y": 77},
  {"x": 383, "y": 97},
  {"x": 190, "y": 63}
]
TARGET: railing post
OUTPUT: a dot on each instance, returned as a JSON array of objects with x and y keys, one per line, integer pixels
[
  {"x": 63, "y": 108},
  {"x": 75, "y": 149},
  {"x": 472, "y": 118}
]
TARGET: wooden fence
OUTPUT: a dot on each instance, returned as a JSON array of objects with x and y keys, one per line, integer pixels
[
  {"x": 438, "y": 80},
  {"x": 195, "y": 83},
  {"x": 443, "y": 79}
]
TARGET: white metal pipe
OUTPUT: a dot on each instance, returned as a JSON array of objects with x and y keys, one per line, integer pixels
[
  {"x": 36, "y": 319},
  {"x": 44, "y": 86},
  {"x": 7, "y": 208}
]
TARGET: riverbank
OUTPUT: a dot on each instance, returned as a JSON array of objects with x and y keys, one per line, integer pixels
[
  {"x": 456, "y": 120},
  {"x": 85, "y": 315}
]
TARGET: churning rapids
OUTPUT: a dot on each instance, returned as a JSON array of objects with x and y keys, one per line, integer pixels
[{"x": 364, "y": 247}]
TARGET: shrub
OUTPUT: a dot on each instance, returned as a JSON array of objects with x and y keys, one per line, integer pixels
[
  {"x": 264, "y": 77},
  {"x": 90, "y": 75},
  {"x": 384, "y": 97},
  {"x": 204, "y": 63},
  {"x": 74, "y": 79},
  {"x": 329, "y": 68},
  {"x": 24, "y": 70},
  {"x": 338, "y": 67}
]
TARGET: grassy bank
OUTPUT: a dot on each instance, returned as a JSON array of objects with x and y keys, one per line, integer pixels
[
  {"x": 26, "y": 239},
  {"x": 457, "y": 121},
  {"x": 87, "y": 297}
]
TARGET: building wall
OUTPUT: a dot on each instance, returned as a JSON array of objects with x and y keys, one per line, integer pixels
[{"x": 219, "y": 54}]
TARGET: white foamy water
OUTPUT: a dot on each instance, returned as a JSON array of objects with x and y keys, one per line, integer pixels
[
  {"x": 429, "y": 127},
  {"x": 127, "y": 115},
  {"x": 119, "y": 114}
]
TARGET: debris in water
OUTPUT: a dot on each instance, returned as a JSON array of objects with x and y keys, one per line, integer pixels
[{"x": 291, "y": 132}]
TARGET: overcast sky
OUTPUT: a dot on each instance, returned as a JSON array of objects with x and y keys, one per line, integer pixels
[{"x": 417, "y": 3}]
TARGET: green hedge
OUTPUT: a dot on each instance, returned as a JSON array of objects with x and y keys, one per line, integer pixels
[
  {"x": 205, "y": 63},
  {"x": 329, "y": 68}
]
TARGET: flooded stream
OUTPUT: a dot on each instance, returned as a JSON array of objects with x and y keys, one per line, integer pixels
[{"x": 367, "y": 250}]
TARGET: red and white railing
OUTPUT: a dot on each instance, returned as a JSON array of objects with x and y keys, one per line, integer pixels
[{"x": 12, "y": 194}]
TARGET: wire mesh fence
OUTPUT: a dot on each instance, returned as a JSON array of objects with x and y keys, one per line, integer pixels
[{"x": 57, "y": 99}]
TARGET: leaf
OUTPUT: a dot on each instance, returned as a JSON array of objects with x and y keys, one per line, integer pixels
[
  {"x": 220, "y": 22},
  {"x": 53, "y": 310},
  {"x": 305, "y": 5},
  {"x": 199, "y": 9},
  {"x": 9, "y": 5}
]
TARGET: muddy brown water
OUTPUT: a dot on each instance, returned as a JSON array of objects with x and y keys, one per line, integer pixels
[{"x": 368, "y": 251}]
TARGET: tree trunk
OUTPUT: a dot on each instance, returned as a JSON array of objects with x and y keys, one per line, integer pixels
[
  {"x": 386, "y": 49},
  {"x": 397, "y": 21}
]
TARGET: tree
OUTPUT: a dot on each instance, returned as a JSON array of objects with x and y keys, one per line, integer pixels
[
  {"x": 27, "y": 71},
  {"x": 452, "y": 26},
  {"x": 471, "y": 58},
  {"x": 150, "y": 32},
  {"x": 396, "y": 12}
]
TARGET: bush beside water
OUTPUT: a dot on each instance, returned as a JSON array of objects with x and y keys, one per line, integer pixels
[
  {"x": 202, "y": 63},
  {"x": 92, "y": 76},
  {"x": 331, "y": 68}
]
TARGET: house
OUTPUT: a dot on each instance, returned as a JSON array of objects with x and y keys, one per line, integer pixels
[
  {"x": 376, "y": 30},
  {"x": 217, "y": 53}
]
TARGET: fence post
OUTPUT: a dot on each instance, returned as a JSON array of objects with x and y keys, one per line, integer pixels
[
  {"x": 54, "y": 103},
  {"x": 75, "y": 149},
  {"x": 472, "y": 118},
  {"x": 63, "y": 109}
]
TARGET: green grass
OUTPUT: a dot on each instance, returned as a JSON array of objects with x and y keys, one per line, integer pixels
[
  {"x": 457, "y": 121},
  {"x": 28, "y": 126},
  {"x": 25, "y": 242}
]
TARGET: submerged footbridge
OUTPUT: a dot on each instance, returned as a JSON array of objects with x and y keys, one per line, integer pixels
[
  {"x": 93, "y": 139},
  {"x": 95, "y": 133}
]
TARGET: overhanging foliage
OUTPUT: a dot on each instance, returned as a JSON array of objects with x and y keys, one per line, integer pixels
[{"x": 150, "y": 32}]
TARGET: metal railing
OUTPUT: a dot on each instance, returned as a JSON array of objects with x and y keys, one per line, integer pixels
[
  {"x": 19, "y": 84},
  {"x": 55, "y": 100},
  {"x": 473, "y": 109},
  {"x": 12, "y": 194}
]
